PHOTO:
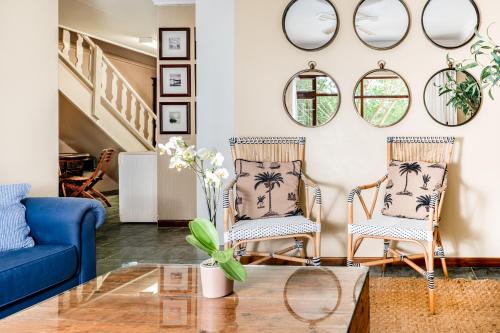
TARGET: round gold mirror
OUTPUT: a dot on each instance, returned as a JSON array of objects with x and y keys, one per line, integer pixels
[
  {"x": 311, "y": 97},
  {"x": 451, "y": 97},
  {"x": 310, "y": 25},
  {"x": 381, "y": 24},
  {"x": 450, "y": 24},
  {"x": 382, "y": 97}
]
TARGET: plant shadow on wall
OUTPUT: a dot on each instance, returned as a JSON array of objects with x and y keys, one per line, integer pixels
[{"x": 462, "y": 204}]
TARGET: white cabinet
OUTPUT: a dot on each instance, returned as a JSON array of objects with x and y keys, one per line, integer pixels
[{"x": 138, "y": 187}]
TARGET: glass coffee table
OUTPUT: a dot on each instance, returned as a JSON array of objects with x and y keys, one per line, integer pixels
[{"x": 167, "y": 298}]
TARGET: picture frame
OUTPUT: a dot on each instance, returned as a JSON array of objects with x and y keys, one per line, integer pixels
[
  {"x": 174, "y": 43},
  {"x": 175, "y": 117},
  {"x": 175, "y": 80}
]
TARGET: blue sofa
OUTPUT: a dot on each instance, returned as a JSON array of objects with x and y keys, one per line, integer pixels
[{"x": 63, "y": 255}]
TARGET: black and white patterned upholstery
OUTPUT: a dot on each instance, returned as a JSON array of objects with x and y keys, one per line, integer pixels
[
  {"x": 420, "y": 139},
  {"x": 267, "y": 140},
  {"x": 271, "y": 227},
  {"x": 394, "y": 227}
]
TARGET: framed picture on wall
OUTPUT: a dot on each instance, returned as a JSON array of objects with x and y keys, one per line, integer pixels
[
  {"x": 175, "y": 118},
  {"x": 174, "y": 43},
  {"x": 175, "y": 80}
]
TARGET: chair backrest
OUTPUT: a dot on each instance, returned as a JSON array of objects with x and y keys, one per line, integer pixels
[
  {"x": 105, "y": 160},
  {"x": 426, "y": 149},
  {"x": 268, "y": 149}
]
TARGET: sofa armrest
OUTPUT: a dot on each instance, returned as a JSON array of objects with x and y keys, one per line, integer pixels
[{"x": 70, "y": 221}]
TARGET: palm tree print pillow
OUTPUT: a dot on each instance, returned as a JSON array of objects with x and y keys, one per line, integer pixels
[
  {"x": 267, "y": 189},
  {"x": 410, "y": 186}
]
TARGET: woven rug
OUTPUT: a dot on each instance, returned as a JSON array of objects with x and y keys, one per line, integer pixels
[{"x": 401, "y": 305}]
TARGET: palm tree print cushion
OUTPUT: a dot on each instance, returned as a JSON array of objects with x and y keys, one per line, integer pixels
[
  {"x": 410, "y": 186},
  {"x": 267, "y": 189}
]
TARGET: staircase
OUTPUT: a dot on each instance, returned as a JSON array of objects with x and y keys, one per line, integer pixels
[{"x": 109, "y": 109}]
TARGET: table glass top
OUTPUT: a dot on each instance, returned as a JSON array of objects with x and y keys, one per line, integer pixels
[{"x": 167, "y": 298}]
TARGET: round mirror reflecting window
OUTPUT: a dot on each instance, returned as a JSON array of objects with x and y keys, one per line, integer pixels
[
  {"x": 381, "y": 24},
  {"x": 311, "y": 97},
  {"x": 452, "y": 98},
  {"x": 450, "y": 23},
  {"x": 310, "y": 24},
  {"x": 382, "y": 97}
]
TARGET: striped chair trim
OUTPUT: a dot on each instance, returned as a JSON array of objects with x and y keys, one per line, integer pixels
[
  {"x": 350, "y": 197},
  {"x": 317, "y": 196},
  {"x": 430, "y": 279},
  {"x": 267, "y": 140},
  {"x": 423, "y": 139}
]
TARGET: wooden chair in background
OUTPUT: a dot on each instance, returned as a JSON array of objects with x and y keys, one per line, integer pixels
[
  {"x": 77, "y": 186},
  {"x": 424, "y": 233}
]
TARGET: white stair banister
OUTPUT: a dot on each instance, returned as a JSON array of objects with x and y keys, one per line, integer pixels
[{"x": 142, "y": 118}]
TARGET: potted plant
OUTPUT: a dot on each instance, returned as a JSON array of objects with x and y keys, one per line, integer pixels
[
  {"x": 218, "y": 272},
  {"x": 485, "y": 55}
]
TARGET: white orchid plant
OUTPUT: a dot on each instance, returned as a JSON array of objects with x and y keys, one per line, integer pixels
[{"x": 205, "y": 163}]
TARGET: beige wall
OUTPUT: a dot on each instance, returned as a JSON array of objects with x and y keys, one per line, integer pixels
[
  {"x": 28, "y": 91},
  {"x": 177, "y": 190},
  {"x": 348, "y": 151}
]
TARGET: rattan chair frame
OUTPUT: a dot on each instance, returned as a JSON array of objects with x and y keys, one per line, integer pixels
[
  {"x": 275, "y": 149},
  {"x": 428, "y": 149}
]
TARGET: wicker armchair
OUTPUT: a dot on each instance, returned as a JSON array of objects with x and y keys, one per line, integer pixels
[
  {"x": 298, "y": 228},
  {"x": 424, "y": 233}
]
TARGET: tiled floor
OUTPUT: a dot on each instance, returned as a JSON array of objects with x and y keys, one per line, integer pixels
[{"x": 120, "y": 244}]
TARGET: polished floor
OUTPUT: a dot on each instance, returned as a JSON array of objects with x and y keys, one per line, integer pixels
[{"x": 121, "y": 244}]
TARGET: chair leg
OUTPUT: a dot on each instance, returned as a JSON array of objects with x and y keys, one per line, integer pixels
[
  {"x": 387, "y": 243},
  {"x": 350, "y": 254},
  {"x": 430, "y": 277},
  {"x": 299, "y": 244},
  {"x": 317, "y": 249},
  {"x": 101, "y": 196},
  {"x": 440, "y": 253}
]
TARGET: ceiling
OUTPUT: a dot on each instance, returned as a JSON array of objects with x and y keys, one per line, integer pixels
[{"x": 117, "y": 21}]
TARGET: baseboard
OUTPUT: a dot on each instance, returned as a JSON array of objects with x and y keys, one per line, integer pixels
[
  {"x": 341, "y": 261},
  {"x": 172, "y": 223}
]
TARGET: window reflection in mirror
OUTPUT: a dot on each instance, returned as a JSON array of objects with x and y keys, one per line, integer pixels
[
  {"x": 447, "y": 105},
  {"x": 382, "y": 98},
  {"x": 311, "y": 98}
]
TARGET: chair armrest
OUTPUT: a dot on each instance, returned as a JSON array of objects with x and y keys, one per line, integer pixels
[
  {"x": 70, "y": 221},
  {"x": 317, "y": 198},
  {"x": 357, "y": 191},
  {"x": 226, "y": 205}
]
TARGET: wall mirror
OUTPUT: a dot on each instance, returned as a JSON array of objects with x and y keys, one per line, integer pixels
[
  {"x": 310, "y": 25},
  {"x": 311, "y": 97},
  {"x": 452, "y": 97},
  {"x": 382, "y": 97},
  {"x": 381, "y": 24},
  {"x": 450, "y": 23}
]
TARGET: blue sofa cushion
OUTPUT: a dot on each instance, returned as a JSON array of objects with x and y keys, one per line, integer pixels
[
  {"x": 14, "y": 231},
  {"x": 28, "y": 271}
]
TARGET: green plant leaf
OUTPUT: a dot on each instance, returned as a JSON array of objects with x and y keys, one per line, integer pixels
[
  {"x": 193, "y": 241},
  {"x": 205, "y": 232},
  {"x": 234, "y": 270},
  {"x": 223, "y": 256}
]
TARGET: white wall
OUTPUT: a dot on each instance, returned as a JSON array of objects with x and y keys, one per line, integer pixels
[
  {"x": 215, "y": 29},
  {"x": 28, "y": 94},
  {"x": 348, "y": 151}
]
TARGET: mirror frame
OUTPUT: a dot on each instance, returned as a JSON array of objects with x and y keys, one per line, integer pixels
[
  {"x": 476, "y": 9},
  {"x": 312, "y": 68},
  {"x": 388, "y": 47},
  {"x": 450, "y": 67},
  {"x": 283, "y": 19},
  {"x": 381, "y": 65}
]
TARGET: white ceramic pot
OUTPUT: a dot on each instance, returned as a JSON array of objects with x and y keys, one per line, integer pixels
[{"x": 214, "y": 283}]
